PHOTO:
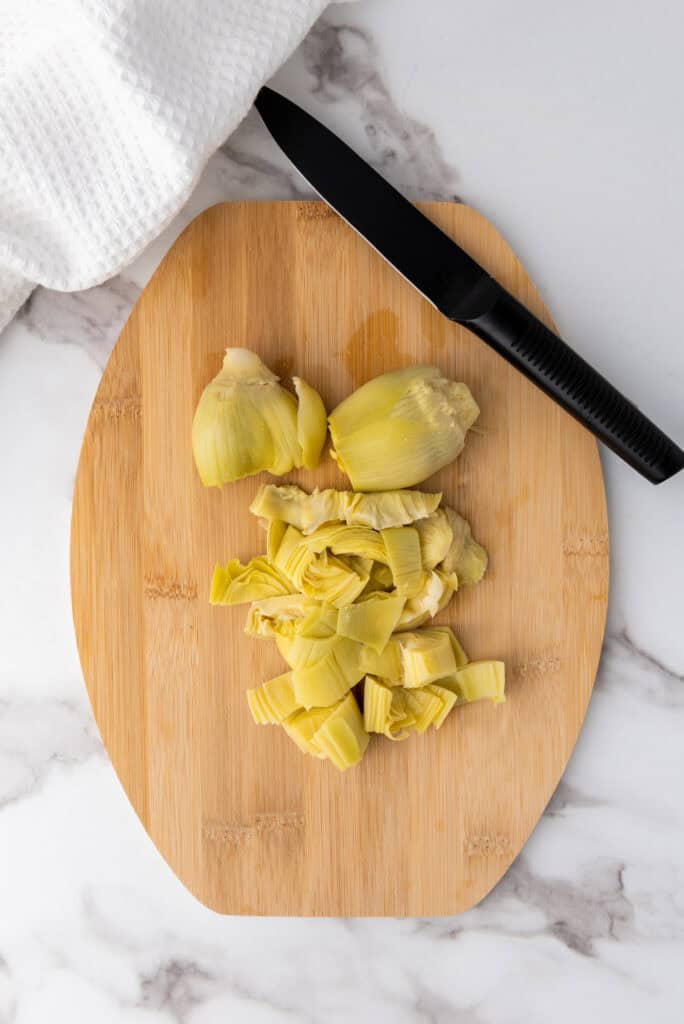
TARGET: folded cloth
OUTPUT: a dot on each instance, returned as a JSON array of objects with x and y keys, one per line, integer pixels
[{"x": 109, "y": 110}]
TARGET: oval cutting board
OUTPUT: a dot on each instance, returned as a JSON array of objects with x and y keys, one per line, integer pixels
[{"x": 248, "y": 824}]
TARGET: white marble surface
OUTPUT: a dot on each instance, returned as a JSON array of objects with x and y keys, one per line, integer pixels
[{"x": 563, "y": 124}]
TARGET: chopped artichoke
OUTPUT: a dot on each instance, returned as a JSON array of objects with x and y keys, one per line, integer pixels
[
  {"x": 437, "y": 591},
  {"x": 460, "y": 656},
  {"x": 465, "y": 557},
  {"x": 275, "y": 531},
  {"x": 348, "y": 540},
  {"x": 320, "y": 623},
  {"x": 448, "y": 700},
  {"x": 403, "y": 555},
  {"x": 377, "y": 701},
  {"x": 309, "y": 511},
  {"x": 235, "y": 583},
  {"x": 435, "y": 535},
  {"x": 479, "y": 680},
  {"x": 425, "y": 706},
  {"x": 273, "y": 701},
  {"x": 323, "y": 682},
  {"x": 387, "y": 664},
  {"x": 426, "y": 656},
  {"x": 302, "y": 727},
  {"x": 372, "y": 621},
  {"x": 312, "y": 423},
  {"x": 382, "y": 575},
  {"x": 401, "y": 718},
  {"x": 342, "y": 737},
  {"x": 245, "y": 422},
  {"x": 400, "y": 428},
  {"x": 280, "y": 616},
  {"x": 293, "y": 557},
  {"x": 333, "y": 580}
]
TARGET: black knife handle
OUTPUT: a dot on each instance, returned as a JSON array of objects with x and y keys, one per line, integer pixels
[{"x": 536, "y": 351}]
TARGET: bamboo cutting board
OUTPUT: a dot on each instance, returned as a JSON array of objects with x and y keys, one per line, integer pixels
[{"x": 248, "y": 824}]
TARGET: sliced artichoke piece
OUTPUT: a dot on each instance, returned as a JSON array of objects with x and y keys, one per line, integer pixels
[
  {"x": 448, "y": 700},
  {"x": 348, "y": 540},
  {"x": 323, "y": 682},
  {"x": 438, "y": 589},
  {"x": 334, "y": 580},
  {"x": 377, "y": 701},
  {"x": 245, "y": 422},
  {"x": 275, "y": 531},
  {"x": 426, "y": 656},
  {"x": 400, "y": 428},
  {"x": 280, "y": 616},
  {"x": 342, "y": 737},
  {"x": 273, "y": 701},
  {"x": 372, "y": 621},
  {"x": 310, "y": 511},
  {"x": 235, "y": 583},
  {"x": 460, "y": 656},
  {"x": 386, "y": 665},
  {"x": 479, "y": 680},
  {"x": 312, "y": 423},
  {"x": 293, "y": 557},
  {"x": 403, "y": 555},
  {"x": 465, "y": 557},
  {"x": 302, "y": 726},
  {"x": 435, "y": 536},
  {"x": 401, "y": 719},
  {"x": 425, "y": 706}
]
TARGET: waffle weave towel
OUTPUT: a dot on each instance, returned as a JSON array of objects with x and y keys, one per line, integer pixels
[{"x": 109, "y": 110}]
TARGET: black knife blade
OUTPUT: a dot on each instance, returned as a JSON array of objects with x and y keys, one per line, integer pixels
[{"x": 462, "y": 290}]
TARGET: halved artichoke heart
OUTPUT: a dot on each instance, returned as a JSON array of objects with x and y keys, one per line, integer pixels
[
  {"x": 401, "y": 427},
  {"x": 308, "y": 512},
  {"x": 245, "y": 422}
]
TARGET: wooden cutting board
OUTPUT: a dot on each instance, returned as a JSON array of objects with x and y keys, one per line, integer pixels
[{"x": 248, "y": 824}]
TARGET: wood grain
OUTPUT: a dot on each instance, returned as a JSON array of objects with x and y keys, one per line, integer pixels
[{"x": 248, "y": 824}]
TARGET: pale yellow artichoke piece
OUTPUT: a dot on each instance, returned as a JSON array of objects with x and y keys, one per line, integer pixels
[
  {"x": 426, "y": 707},
  {"x": 377, "y": 701},
  {"x": 400, "y": 428},
  {"x": 273, "y": 701},
  {"x": 245, "y": 422},
  {"x": 435, "y": 536},
  {"x": 479, "y": 680},
  {"x": 312, "y": 423},
  {"x": 293, "y": 557},
  {"x": 307, "y": 512},
  {"x": 425, "y": 657},
  {"x": 382, "y": 575},
  {"x": 342, "y": 737},
  {"x": 323, "y": 682},
  {"x": 465, "y": 556},
  {"x": 460, "y": 656},
  {"x": 403, "y": 556},
  {"x": 302, "y": 726},
  {"x": 348, "y": 540},
  {"x": 372, "y": 621},
  {"x": 386, "y": 665},
  {"x": 320, "y": 623},
  {"x": 331, "y": 579},
  {"x": 279, "y": 616},
  {"x": 275, "y": 531},
  {"x": 401, "y": 719},
  {"x": 437, "y": 591},
  {"x": 448, "y": 700},
  {"x": 235, "y": 583}
]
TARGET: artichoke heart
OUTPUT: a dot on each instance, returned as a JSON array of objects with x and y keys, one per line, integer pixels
[
  {"x": 435, "y": 536},
  {"x": 386, "y": 664},
  {"x": 334, "y": 580},
  {"x": 245, "y": 422},
  {"x": 465, "y": 556},
  {"x": 401, "y": 427},
  {"x": 342, "y": 737},
  {"x": 377, "y": 701},
  {"x": 310, "y": 511},
  {"x": 301, "y": 727},
  {"x": 426, "y": 656},
  {"x": 320, "y": 683},
  {"x": 235, "y": 583},
  {"x": 479, "y": 680},
  {"x": 437, "y": 590},
  {"x": 403, "y": 556},
  {"x": 371, "y": 621},
  {"x": 348, "y": 540},
  {"x": 279, "y": 616},
  {"x": 273, "y": 701}
]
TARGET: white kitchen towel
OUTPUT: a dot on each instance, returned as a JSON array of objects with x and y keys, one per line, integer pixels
[{"x": 109, "y": 110}]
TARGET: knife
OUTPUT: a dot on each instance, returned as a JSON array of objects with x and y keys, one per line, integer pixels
[{"x": 462, "y": 290}]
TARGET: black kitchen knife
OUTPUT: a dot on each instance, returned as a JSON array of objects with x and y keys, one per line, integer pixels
[{"x": 462, "y": 290}]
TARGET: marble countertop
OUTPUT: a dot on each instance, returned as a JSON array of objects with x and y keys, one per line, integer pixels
[{"x": 562, "y": 123}]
